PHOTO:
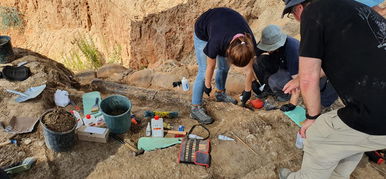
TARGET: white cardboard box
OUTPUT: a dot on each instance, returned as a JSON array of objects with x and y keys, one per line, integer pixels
[{"x": 93, "y": 134}]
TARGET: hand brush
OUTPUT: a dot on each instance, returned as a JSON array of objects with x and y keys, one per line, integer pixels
[{"x": 95, "y": 107}]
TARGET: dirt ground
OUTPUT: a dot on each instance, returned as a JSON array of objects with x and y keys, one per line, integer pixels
[{"x": 269, "y": 133}]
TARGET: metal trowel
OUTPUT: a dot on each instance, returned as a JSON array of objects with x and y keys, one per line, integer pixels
[
  {"x": 25, "y": 165},
  {"x": 29, "y": 94}
]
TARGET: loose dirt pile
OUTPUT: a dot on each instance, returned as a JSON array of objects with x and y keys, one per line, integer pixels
[{"x": 59, "y": 120}]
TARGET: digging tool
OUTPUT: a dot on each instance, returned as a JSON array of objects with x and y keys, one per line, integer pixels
[
  {"x": 120, "y": 140},
  {"x": 175, "y": 132},
  {"x": 12, "y": 141},
  {"x": 29, "y": 94},
  {"x": 25, "y": 165},
  {"x": 95, "y": 107}
]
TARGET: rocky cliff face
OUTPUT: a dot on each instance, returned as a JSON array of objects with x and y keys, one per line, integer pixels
[{"x": 147, "y": 31}]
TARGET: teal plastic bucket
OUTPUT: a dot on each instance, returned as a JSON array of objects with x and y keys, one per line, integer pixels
[{"x": 116, "y": 112}]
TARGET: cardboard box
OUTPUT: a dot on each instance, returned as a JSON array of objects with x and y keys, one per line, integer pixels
[{"x": 93, "y": 134}]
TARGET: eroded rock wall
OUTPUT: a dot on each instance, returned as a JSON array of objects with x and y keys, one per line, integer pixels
[{"x": 146, "y": 31}]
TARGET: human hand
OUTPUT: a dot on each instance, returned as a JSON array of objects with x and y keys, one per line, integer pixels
[
  {"x": 246, "y": 95},
  {"x": 291, "y": 86},
  {"x": 307, "y": 123},
  {"x": 207, "y": 90}
]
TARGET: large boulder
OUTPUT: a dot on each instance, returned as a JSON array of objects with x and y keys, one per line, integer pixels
[
  {"x": 85, "y": 77},
  {"x": 109, "y": 69},
  {"x": 142, "y": 78},
  {"x": 164, "y": 80}
]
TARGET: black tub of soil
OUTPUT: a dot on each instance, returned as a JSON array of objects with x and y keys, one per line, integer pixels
[
  {"x": 58, "y": 129},
  {"x": 6, "y": 51}
]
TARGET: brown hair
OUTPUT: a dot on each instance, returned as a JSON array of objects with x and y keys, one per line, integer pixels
[{"x": 241, "y": 50}]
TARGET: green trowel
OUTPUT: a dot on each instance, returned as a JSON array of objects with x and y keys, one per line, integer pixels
[{"x": 25, "y": 165}]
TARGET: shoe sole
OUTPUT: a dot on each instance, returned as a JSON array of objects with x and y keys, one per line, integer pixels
[{"x": 195, "y": 118}]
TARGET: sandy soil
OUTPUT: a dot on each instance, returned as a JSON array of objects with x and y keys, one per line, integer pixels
[{"x": 269, "y": 133}]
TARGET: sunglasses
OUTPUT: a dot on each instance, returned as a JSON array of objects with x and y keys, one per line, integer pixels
[{"x": 290, "y": 15}]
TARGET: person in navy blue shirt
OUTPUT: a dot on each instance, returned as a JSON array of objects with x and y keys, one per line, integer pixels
[
  {"x": 221, "y": 36},
  {"x": 375, "y": 5},
  {"x": 280, "y": 66}
]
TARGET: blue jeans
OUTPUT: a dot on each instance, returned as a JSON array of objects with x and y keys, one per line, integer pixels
[{"x": 221, "y": 71}]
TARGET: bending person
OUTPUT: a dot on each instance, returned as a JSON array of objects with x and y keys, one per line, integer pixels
[{"x": 221, "y": 36}]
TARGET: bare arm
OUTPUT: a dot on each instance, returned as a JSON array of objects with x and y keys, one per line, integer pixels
[
  {"x": 210, "y": 66},
  {"x": 309, "y": 77},
  {"x": 249, "y": 77},
  {"x": 294, "y": 83},
  {"x": 380, "y": 10}
]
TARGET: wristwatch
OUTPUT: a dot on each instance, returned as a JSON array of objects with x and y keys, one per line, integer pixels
[{"x": 312, "y": 117}]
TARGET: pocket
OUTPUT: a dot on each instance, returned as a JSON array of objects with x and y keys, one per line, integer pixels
[
  {"x": 324, "y": 125},
  {"x": 337, "y": 123}
]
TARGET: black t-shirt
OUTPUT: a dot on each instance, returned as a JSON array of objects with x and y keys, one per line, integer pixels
[
  {"x": 350, "y": 39},
  {"x": 217, "y": 27}
]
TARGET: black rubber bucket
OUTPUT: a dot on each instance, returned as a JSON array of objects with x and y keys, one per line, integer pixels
[
  {"x": 6, "y": 51},
  {"x": 58, "y": 141}
]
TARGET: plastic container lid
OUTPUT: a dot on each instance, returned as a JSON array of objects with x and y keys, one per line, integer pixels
[{"x": 156, "y": 117}]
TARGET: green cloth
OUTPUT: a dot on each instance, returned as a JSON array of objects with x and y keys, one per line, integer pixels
[
  {"x": 153, "y": 143},
  {"x": 298, "y": 115}
]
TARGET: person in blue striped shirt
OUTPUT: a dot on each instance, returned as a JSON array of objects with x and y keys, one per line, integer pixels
[{"x": 375, "y": 5}]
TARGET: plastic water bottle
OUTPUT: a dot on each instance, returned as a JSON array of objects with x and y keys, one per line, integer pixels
[
  {"x": 148, "y": 129},
  {"x": 223, "y": 137},
  {"x": 79, "y": 121},
  {"x": 157, "y": 127},
  {"x": 299, "y": 141},
  {"x": 185, "y": 84}
]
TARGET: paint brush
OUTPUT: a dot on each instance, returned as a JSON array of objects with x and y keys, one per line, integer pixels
[{"x": 95, "y": 107}]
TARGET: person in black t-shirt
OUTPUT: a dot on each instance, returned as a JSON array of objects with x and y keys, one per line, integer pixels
[
  {"x": 222, "y": 34},
  {"x": 348, "y": 41}
]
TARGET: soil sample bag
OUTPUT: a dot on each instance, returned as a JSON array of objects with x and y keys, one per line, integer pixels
[{"x": 195, "y": 151}]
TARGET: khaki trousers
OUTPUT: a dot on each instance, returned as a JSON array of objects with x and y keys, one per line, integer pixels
[{"x": 333, "y": 150}]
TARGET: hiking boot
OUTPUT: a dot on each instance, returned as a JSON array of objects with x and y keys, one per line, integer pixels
[
  {"x": 284, "y": 173},
  {"x": 198, "y": 113},
  {"x": 222, "y": 97}
]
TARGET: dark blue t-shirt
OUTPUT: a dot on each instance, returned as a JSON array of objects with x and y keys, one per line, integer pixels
[
  {"x": 292, "y": 55},
  {"x": 217, "y": 27},
  {"x": 286, "y": 57}
]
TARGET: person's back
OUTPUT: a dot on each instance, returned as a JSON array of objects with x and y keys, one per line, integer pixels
[{"x": 351, "y": 42}]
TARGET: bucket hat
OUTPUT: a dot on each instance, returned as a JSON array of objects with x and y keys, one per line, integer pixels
[
  {"x": 272, "y": 38},
  {"x": 289, "y": 4}
]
